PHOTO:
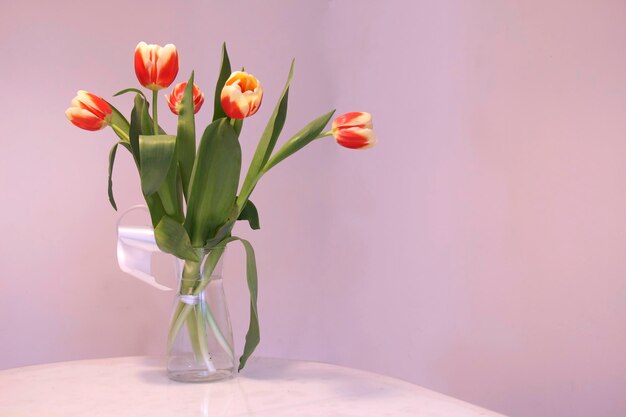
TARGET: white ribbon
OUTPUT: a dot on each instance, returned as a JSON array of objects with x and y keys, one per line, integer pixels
[{"x": 135, "y": 247}]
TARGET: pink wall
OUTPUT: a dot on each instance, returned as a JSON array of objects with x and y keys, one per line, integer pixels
[{"x": 478, "y": 250}]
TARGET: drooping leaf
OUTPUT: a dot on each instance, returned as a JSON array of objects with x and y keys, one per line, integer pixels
[
  {"x": 186, "y": 137},
  {"x": 171, "y": 237},
  {"x": 266, "y": 144},
  {"x": 253, "y": 336},
  {"x": 250, "y": 214},
  {"x": 156, "y": 153},
  {"x": 111, "y": 162},
  {"x": 112, "y": 154},
  {"x": 214, "y": 182},
  {"x": 130, "y": 90},
  {"x": 225, "y": 71}
]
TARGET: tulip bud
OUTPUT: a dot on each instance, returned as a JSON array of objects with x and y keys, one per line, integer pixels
[
  {"x": 89, "y": 111},
  {"x": 174, "y": 100},
  {"x": 156, "y": 66},
  {"x": 242, "y": 95},
  {"x": 354, "y": 130}
]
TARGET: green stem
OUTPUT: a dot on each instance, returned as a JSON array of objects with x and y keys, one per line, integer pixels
[
  {"x": 208, "y": 314},
  {"x": 155, "y": 96},
  {"x": 192, "y": 287}
]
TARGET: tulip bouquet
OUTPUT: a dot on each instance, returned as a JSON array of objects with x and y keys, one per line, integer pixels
[{"x": 193, "y": 193}]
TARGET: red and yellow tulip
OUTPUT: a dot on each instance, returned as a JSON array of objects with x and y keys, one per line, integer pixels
[
  {"x": 242, "y": 95},
  {"x": 156, "y": 66},
  {"x": 89, "y": 111},
  {"x": 174, "y": 100},
  {"x": 354, "y": 130}
]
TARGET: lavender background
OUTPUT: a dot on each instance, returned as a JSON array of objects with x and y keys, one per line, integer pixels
[{"x": 477, "y": 251}]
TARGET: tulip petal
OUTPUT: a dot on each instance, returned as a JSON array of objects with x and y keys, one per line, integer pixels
[
  {"x": 166, "y": 66},
  {"x": 84, "y": 119},
  {"x": 142, "y": 58},
  {"x": 357, "y": 138},
  {"x": 353, "y": 119},
  {"x": 156, "y": 67}
]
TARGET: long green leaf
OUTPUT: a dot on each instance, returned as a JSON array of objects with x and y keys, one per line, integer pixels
[
  {"x": 300, "y": 140},
  {"x": 111, "y": 162},
  {"x": 171, "y": 193},
  {"x": 135, "y": 128},
  {"x": 155, "y": 206},
  {"x": 214, "y": 182},
  {"x": 267, "y": 142},
  {"x": 225, "y": 71},
  {"x": 130, "y": 90},
  {"x": 186, "y": 137},
  {"x": 156, "y": 152},
  {"x": 253, "y": 337},
  {"x": 171, "y": 237},
  {"x": 112, "y": 154},
  {"x": 250, "y": 214}
]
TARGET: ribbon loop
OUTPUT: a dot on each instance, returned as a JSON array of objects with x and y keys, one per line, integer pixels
[{"x": 135, "y": 247}]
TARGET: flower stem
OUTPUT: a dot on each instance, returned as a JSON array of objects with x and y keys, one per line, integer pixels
[{"x": 155, "y": 96}]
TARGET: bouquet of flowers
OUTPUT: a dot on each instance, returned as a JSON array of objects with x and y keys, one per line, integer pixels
[{"x": 193, "y": 193}]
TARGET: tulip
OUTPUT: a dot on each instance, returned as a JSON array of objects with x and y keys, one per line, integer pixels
[
  {"x": 354, "y": 130},
  {"x": 242, "y": 95},
  {"x": 175, "y": 99},
  {"x": 89, "y": 111},
  {"x": 156, "y": 66}
]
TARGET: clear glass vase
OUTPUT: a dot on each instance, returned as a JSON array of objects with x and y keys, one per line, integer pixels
[{"x": 200, "y": 342}]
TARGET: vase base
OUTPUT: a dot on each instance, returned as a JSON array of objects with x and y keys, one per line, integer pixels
[{"x": 200, "y": 375}]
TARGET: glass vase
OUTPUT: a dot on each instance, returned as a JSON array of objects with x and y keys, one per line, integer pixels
[{"x": 200, "y": 342}]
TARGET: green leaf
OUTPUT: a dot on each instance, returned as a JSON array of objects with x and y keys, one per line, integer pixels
[
  {"x": 135, "y": 129},
  {"x": 253, "y": 337},
  {"x": 155, "y": 206},
  {"x": 225, "y": 71},
  {"x": 214, "y": 182},
  {"x": 250, "y": 214},
  {"x": 237, "y": 125},
  {"x": 144, "y": 115},
  {"x": 119, "y": 124},
  {"x": 171, "y": 193},
  {"x": 111, "y": 162},
  {"x": 300, "y": 140},
  {"x": 266, "y": 144},
  {"x": 171, "y": 237},
  {"x": 130, "y": 90},
  {"x": 186, "y": 137},
  {"x": 156, "y": 153}
]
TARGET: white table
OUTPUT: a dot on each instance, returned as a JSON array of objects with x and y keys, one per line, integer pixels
[{"x": 138, "y": 387}]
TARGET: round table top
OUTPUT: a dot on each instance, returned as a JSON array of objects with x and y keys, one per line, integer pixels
[{"x": 138, "y": 386}]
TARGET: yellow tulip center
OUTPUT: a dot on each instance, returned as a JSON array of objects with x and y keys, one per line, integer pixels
[{"x": 246, "y": 82}]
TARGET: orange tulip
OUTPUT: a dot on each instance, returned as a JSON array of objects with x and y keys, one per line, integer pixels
[
  {"x": 354, "y": 130},
  {"x": 175, "y": 99},
  {"x": 156, "y": 66},
  {"x": 242, "y": 95},
  {"x": 89, "y": 111}
]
